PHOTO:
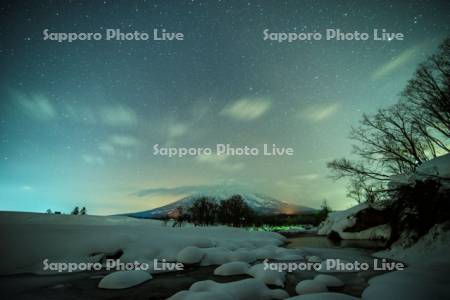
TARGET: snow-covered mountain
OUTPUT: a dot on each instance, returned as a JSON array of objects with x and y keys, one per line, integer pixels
[{"x": 261, "y": 204}]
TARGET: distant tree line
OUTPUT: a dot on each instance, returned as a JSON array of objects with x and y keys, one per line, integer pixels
[
  {"x": 397, "y": 139},
  {"x": 205, "y": 211},
  {"x": 235, "y": 212},
  {"x": 75, "y": 211}
]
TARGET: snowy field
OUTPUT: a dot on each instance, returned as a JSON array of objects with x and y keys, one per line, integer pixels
[
  {"x": 240, "y": 255},
  {"x": 30, "y": 238}
]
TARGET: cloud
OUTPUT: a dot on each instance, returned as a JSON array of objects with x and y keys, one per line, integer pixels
[
  {"x": 307, "y": 177},
  {"x": 176, "y": 130},
  {"x": 213, "y": 158},
  {"x": 92, "y": 159},
  {"x": 220, "y": 162},
  {"x": 80, "y": 114},
  {"x": 319, "y": 112},
  {"x": 106, "y": 148},
  {"x": 247, "y": 109},
  {"x": 124, "y": 140},
  {"x": 402, "y": 59},
  {"x": 27, "y": 188},
  {"x": 118, "y": 115},
  {"x": 189, "y": 190},
  {"x": 37, "y": 107}
]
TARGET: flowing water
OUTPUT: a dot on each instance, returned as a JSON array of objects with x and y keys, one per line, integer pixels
[{"x": 84, "y": 285}]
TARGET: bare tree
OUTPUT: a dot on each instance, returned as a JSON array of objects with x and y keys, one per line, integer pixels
[
  {"x": 428, "y": 94},
  {"x": 397, "y": 139},
  {"x": 203, "y": 211}
]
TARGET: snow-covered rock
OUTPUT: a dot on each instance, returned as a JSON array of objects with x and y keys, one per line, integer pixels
[
  {"x": 257, "y": 271},
  {"x": 190, "y": 255},
  {"x": 232, "y": 268},
  {"x": 267, "y": 276},
  {"x": 310, "y": 286},
  {"x": 243, "y": 255},
  {"x": 215, "y": 256},
  {"x": 329, "y": 280},
  {"x": 124, "y": 279},
  {"x": 247, "y": 289}
]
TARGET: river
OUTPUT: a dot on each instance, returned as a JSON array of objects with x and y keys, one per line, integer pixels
[{"x": 84, "y": 285}]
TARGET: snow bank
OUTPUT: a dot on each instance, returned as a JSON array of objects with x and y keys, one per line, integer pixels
[
  {"x": 341, "y": 220},
  {"x": 31, "y": 238},
  {"x": 429, "y": 248},
  {"x": 123, "y": 279},
  {"x": 247, "y": 289},
  {"x": 437, "y": 167},
  {"x": 382, "y": 232},
  {"x": 427, "y": 274}
]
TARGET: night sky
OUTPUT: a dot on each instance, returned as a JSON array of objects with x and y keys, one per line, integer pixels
[{"x": 78, "y": 120}]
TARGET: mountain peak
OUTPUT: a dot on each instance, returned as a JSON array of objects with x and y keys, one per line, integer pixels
[{"x": 259, "y": 203}]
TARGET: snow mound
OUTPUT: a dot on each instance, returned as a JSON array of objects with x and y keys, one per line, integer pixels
[
  {"x": 242, "y": 255},
  {"x": 232, "y": 268},
  {"x": 310, "y": 287},
  {"x": 257, "y": 271},
  {"x": 247, "y": 289},
  {"x": 190, "y": 255},
  {"x": 124, "y": 279},
  {"x": 222, "y": 254},
  {"x": 324, "y": 296},
  {"x": 267, "y": 276},
  {"x": 329, "y": 280},
  {"x": 215, "y": 256}
]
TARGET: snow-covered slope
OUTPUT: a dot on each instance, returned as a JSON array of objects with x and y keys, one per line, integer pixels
[{"x": 259, "y": 203}]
